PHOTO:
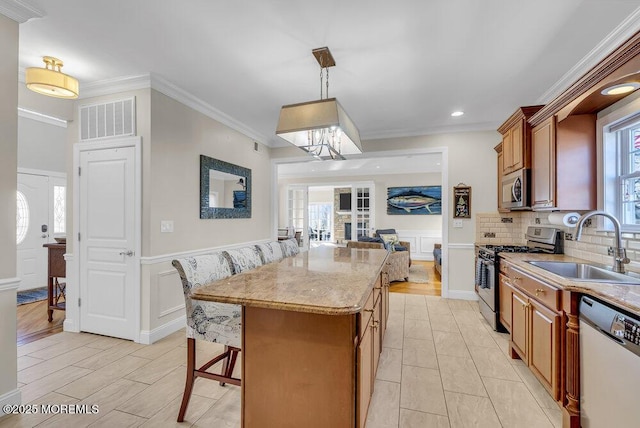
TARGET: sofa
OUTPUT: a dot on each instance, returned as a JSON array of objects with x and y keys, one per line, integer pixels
[{"x": 398, "y": 260}]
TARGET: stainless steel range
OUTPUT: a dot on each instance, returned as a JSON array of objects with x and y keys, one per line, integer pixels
[{"x": 539, "y": 240}]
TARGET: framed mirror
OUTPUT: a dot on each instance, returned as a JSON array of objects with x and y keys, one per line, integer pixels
[{"x": 225, "y": 189}]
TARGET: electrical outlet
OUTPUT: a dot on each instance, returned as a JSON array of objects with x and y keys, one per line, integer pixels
[
  {"x": 166, "y": 226},
  {"x": 610, "y": 251},
  {"x": 568, "y": 236},
  {"x": 507, "y": 219},
  {"x": 457, "y": 223},
  {"x": 489, "y": 235},
  {"x": 537, "y": 221}
]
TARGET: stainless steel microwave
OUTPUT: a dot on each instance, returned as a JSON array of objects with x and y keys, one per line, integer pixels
[{"x": 515, "y": 190}]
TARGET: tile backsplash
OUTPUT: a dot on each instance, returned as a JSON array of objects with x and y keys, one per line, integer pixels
[{"x": 593, "y": 245}]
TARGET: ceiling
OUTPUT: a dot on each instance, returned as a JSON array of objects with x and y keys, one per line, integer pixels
[
  {"x": 401, "y": 67},
  {"x": 402, "y": 164}
]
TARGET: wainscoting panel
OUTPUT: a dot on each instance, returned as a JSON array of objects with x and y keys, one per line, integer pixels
[{"x": 421, "y": 241}]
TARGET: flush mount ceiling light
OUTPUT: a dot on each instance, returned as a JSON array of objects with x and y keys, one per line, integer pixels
[
  {"x": 457, "y": 113},
  {"x": 623, "y": 88},
  {"x": 322, "y": 128},
  {"x": 50, "y": 80}
]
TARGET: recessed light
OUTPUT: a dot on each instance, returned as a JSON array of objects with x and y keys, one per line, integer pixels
[
  {"x": 457, "y": 113},
  {"x": 623, "y": 88}
]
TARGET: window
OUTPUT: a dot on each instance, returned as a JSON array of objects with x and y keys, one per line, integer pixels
[
  {"x": 320, "y": 216},
  {"x": 22, "y": 217},
  {"x": 621, "y": 144},
  {"x": 59, "y": 209}
]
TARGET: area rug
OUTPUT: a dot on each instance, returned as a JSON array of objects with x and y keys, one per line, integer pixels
[
  {"x": 418, "y": 273},
  {"x": 33, "y": 295}
]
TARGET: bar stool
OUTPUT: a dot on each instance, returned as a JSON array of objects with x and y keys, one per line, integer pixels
[{"x": 209, "y": 321}]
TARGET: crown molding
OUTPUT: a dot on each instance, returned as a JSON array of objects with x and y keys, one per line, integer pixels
[
  {"x": 34, "y": 115},
  {"x": 19, "y": 10},
  {"x": 444, "y": 129},
  {"x": 623, "y": 54},
  {"x": 150, "y": 80},
  {"x": 169, "y": 89},
  {"x": 623, "y": 32},
  {"x": 113, "y": 86}
]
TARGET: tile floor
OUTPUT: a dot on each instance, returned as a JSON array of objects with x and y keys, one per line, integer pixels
[{"x": 441, "y": 366}]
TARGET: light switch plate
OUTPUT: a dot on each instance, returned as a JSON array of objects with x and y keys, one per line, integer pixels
[
  {"x": 166, "y": 226},
  {"x": 457, "y": 223}
]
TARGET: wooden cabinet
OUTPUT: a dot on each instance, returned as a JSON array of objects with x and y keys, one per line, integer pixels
[
  {"x": 498, "y": 150},
  {"x": 519, "y": 336},
  {"x": 56, "y": 269},
  {"x": 564, "y": 163},
  {"x": 544, "y": 352},
  {"x": 516, "y": 140},
  {"x": 372, "y": 322},
  {"x": 505, "y": 303},
  {"x": 536, "y": 321}
]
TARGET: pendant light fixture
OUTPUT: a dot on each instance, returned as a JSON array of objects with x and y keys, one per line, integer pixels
[
  {"x": 50, "y": 80},
  {"x": 322, "y": 128}
]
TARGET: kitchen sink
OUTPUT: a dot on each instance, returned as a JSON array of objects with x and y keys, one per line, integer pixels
[{"x": 587, "y": 272}]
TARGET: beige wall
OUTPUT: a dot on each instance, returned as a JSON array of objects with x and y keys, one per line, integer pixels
[
  {"x": 41, "y": 146},
  {"x": 50, "y": 106},
  {"x": 8, "y": 186},
  {"x": 383, "y": 221},
  {"x": 173, "y": 138},
  {"x": 179, "y": 135},
  {"x": 471, "y": 160}
]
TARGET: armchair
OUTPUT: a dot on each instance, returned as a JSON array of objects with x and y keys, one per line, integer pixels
[{"x": 398, "y": 260}]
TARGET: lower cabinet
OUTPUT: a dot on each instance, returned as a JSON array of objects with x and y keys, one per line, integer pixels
[
  {"x": 505, "y": 304},
  {"x": 535, "y": 328},
  {"x": 372, "y": 327}
]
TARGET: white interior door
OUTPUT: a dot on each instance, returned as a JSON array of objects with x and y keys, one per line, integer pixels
[
  {"x": 32, "y": 224},
  {"x": 108, "y": 283},
  {"x": 362, "y": 210}
]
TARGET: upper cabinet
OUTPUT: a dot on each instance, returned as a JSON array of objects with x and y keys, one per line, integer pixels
[
  {"x": 563, "y": 159},
  {"x": 516, "y": 140}
]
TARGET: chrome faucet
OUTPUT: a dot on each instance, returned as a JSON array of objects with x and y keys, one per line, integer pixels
[{"x": 619, "y": 253}]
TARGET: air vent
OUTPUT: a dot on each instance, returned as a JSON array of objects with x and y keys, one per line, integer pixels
[{"x": 108, "y": 120}]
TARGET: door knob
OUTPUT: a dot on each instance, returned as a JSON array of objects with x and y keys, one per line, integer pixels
[{"x": 127, "y": 253}]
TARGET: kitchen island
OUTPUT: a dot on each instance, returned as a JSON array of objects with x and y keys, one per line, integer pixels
[{"x": 312, "y": 328}]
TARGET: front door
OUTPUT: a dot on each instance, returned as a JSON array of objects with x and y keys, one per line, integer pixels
[
  {"x": 32, "y": 225},
  {"x": 108, "y": 283}
]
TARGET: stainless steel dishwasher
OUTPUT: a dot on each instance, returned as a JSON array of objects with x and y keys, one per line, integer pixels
[{"x": 609, "y": 366}]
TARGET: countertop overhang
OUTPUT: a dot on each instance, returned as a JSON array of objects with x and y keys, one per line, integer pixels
[
  {"x": 324, "y": 280},
  {"x": 624, "y": 296}
]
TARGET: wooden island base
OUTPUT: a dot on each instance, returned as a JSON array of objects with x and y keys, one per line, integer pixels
[{"x": 298, "y": 369}]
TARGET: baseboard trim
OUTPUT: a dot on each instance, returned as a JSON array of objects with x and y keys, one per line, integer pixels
[
  {"x": 462, "y": 295},
  {"x": 70, "y": 326},
  {"x": 13, "y": 398},
  {"x": 147, "y": 337}
]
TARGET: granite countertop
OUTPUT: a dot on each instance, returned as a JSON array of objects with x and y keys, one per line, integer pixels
[
  {"x": 620, "y": 295},
  {"x": 329, "y": 281}
]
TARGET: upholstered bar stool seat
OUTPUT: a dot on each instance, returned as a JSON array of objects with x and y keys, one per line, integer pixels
[{"x": 209, "y": 321}]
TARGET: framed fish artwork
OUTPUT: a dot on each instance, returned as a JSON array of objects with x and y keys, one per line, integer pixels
[{"x": 414, "y": 200}]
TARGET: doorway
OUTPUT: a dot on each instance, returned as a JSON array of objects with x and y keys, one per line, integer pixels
[
  {"x": 105, "y": 294},
  {"x": 385, "y": 170},
  {"x": 40, "y": 218}
]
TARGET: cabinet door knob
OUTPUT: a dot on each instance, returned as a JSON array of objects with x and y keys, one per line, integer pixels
[
  {"x": 539, "y": 290},
  {"x": 517, "y": 278}
]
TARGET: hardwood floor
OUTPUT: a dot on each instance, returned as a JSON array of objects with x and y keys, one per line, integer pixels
[
  {"x": 431, "y": 288},
  {"x": 32, "y": 322}
]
